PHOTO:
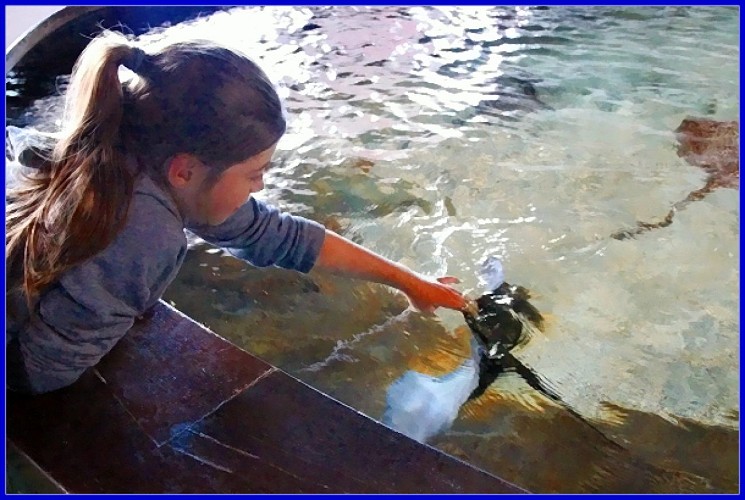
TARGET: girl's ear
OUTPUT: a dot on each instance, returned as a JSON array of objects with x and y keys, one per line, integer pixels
[{"x": 182, "y": 170}]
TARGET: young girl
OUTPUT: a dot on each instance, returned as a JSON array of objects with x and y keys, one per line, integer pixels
[{"x": 96, "y": 233}]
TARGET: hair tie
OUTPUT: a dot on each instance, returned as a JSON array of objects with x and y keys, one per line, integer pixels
[{"x": 134, "y": 60}]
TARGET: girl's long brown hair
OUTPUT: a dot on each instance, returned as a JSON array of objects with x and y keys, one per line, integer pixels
[
  {"x": 190, "y": 97},
  {"x": 73, "y": 207}
]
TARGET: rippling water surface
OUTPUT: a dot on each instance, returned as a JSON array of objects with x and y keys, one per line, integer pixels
[{"x": 439, "y": 136}]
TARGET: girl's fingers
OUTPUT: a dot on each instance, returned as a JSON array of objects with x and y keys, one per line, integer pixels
[{"x": 448, "y": 280}]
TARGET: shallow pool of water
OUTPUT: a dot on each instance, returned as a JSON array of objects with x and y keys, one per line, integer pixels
[{"x": 439, "y": 136}]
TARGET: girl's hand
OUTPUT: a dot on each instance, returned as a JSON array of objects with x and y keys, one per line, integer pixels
[{"x": 427, "y": 295}]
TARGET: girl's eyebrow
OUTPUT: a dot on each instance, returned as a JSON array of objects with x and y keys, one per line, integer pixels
[{"x": 266, "y": 166}]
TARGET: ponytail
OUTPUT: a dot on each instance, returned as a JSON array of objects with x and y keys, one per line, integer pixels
[{"x": 73, "y": 208}]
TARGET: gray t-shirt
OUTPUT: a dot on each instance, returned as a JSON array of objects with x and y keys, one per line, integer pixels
[{"x": 93, "y": 305}]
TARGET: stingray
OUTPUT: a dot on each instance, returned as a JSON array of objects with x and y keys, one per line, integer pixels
[
  {"x": 506, "y": 98},
  {"x": 512, "y": 95},
  {"x": 500, "y": 320},
  {"x": 711, "y": 145}
]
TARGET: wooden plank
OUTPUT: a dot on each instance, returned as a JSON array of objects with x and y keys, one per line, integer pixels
[
  {"x": 169, "y": 371},
  {"x": 329, "y": 446},
  {"x": 87, "y": 442}
]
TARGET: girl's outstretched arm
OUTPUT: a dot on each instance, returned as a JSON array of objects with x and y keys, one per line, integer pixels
[{"x": 346, "y": 258}]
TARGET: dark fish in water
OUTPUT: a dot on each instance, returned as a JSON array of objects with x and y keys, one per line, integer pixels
[
  {"x": 499, "y": 324},
  {"x": 500, "y": 320},
  {"x": 508, "y": 99},
  {"x": 512, "y": 95}
]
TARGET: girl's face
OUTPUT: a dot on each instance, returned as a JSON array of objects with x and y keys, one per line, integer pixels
[{"x": 213, "y": 204}]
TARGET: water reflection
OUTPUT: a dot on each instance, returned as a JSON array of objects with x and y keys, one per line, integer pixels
[{"x": 421, "y": 406}]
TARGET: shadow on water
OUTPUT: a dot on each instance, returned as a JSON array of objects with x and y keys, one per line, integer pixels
[
  {"x": 553, "y": 452},
  {"x": 524, "y": 443}
]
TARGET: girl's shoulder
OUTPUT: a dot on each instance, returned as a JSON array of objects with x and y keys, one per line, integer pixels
[
  {"x": 150, "y": 194},
  {"x": 154, "y": 226}
]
